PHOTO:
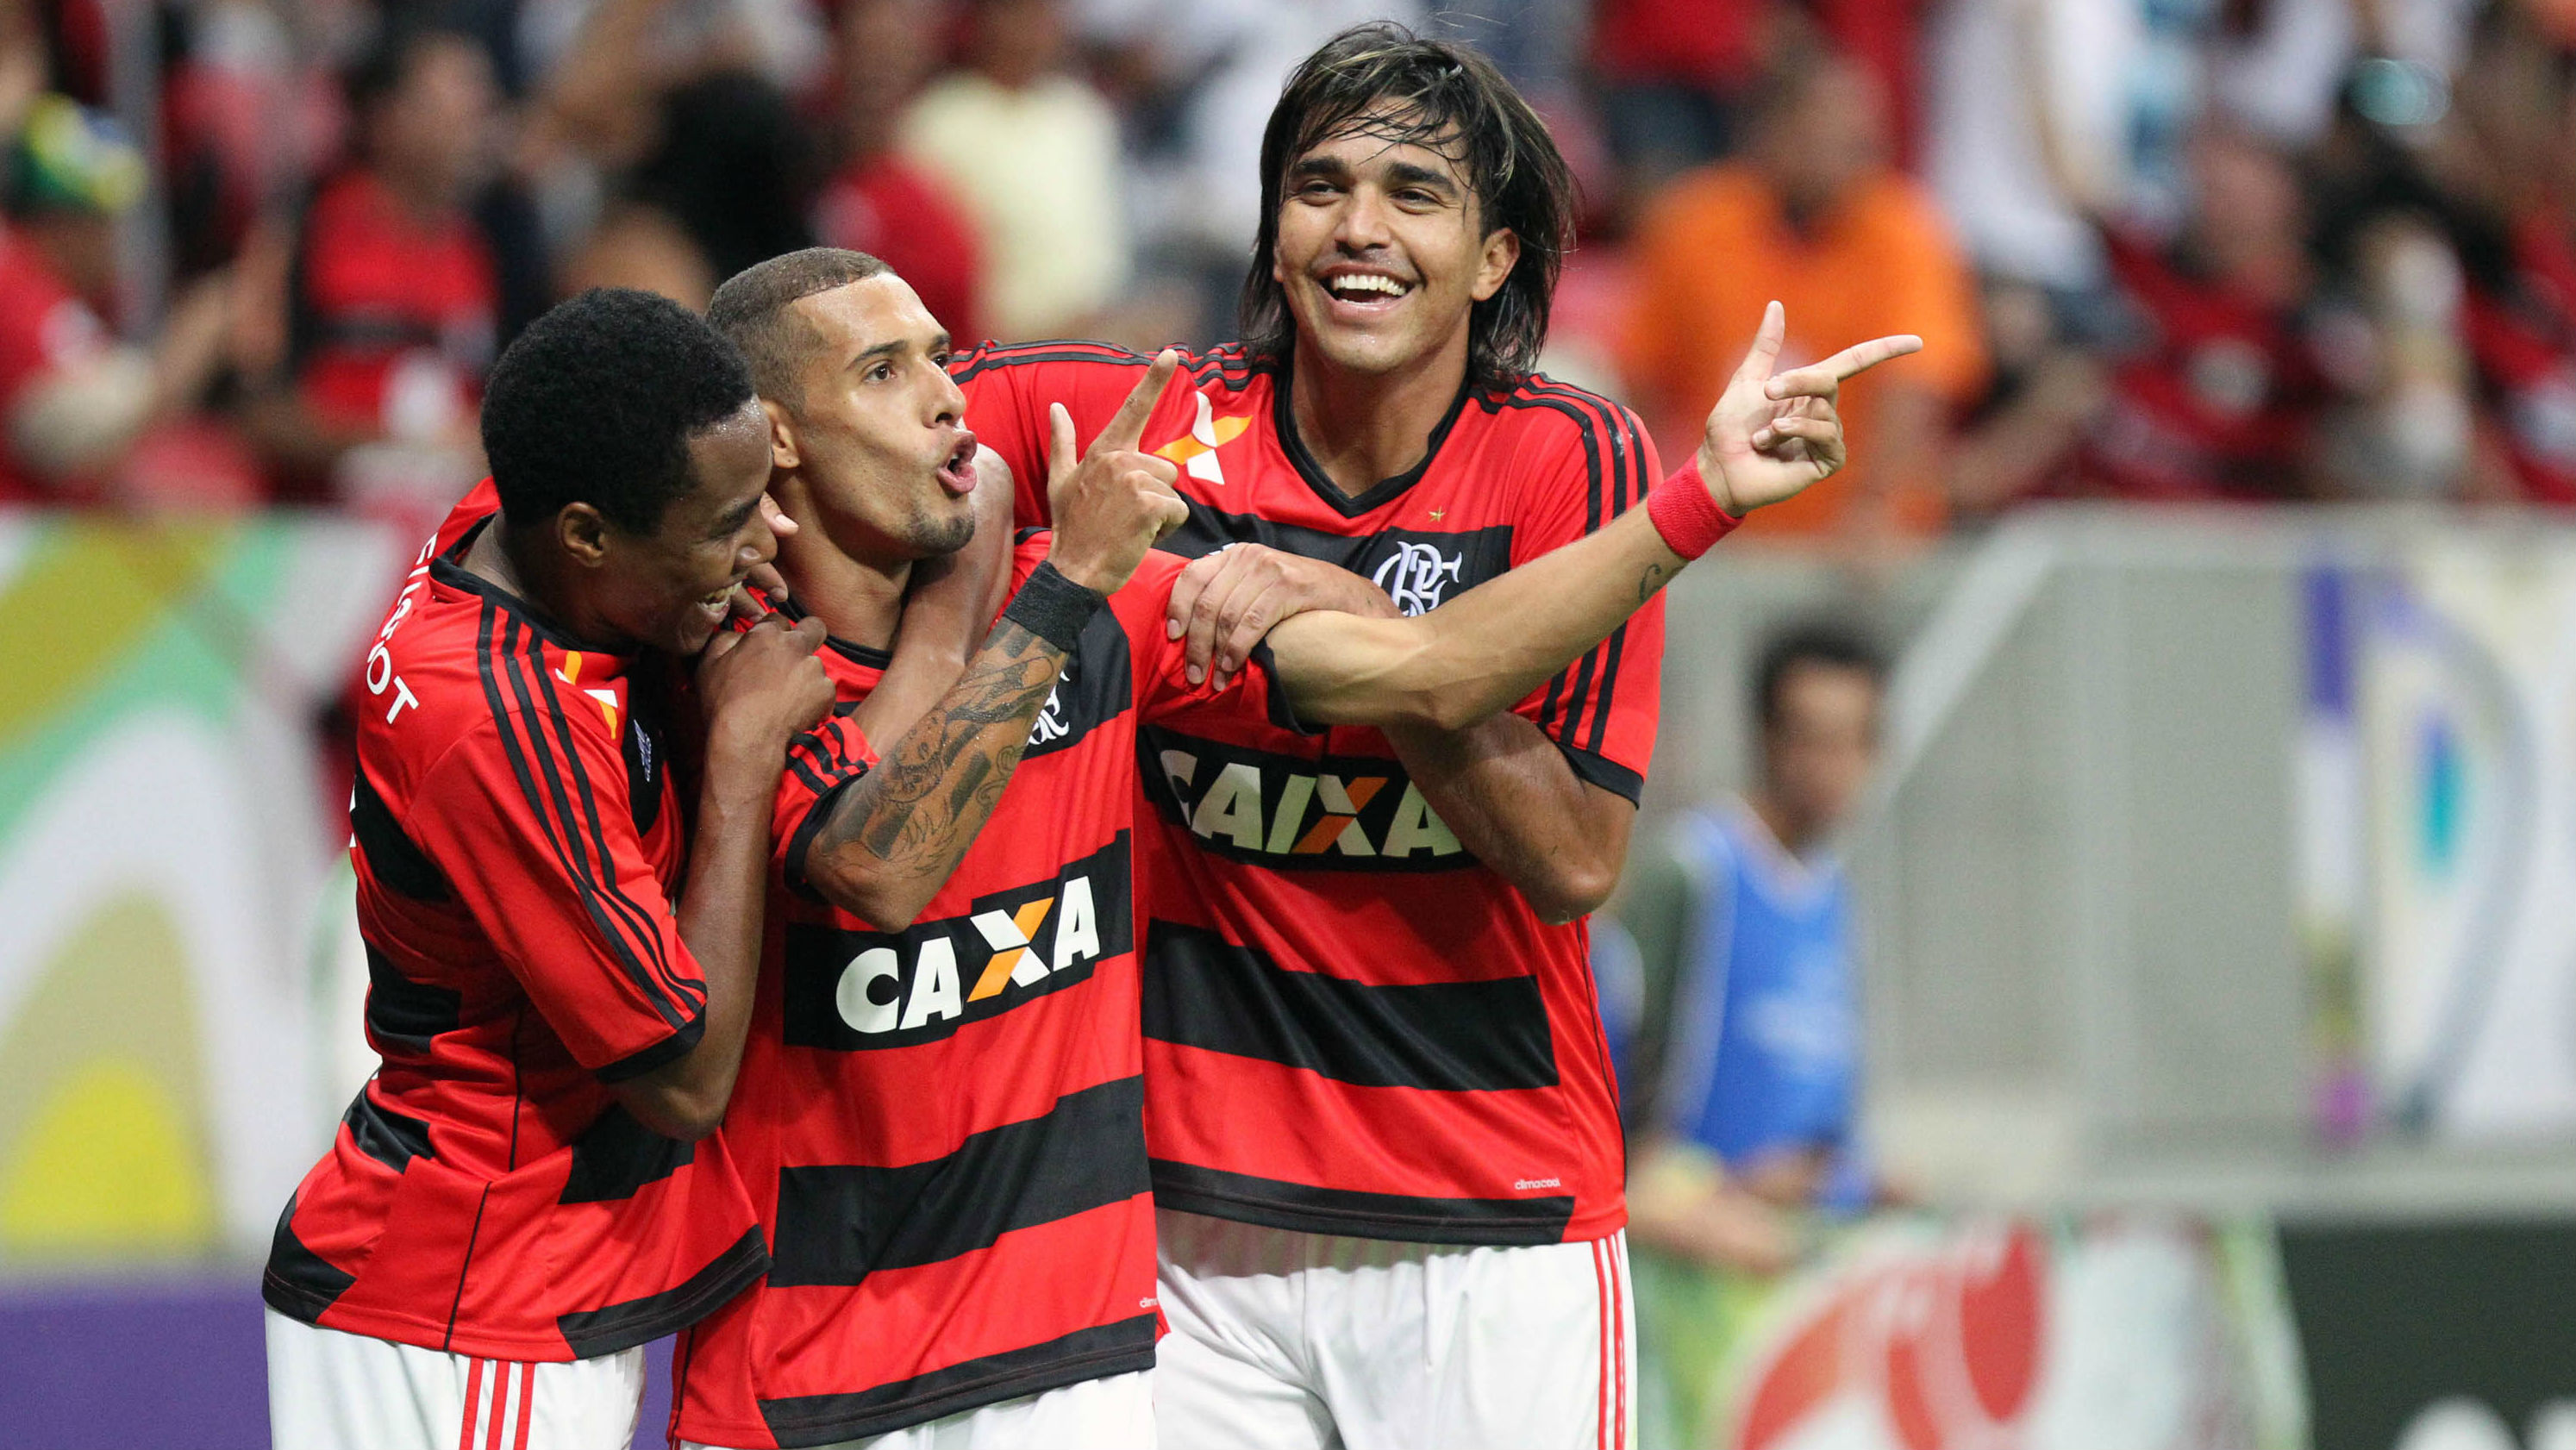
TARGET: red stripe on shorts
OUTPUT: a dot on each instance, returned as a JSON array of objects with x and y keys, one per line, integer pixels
[{"x": 473, "y": 1398}]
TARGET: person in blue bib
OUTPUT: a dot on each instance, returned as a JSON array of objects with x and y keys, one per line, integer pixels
[{"x": 1744, "y": 1092}]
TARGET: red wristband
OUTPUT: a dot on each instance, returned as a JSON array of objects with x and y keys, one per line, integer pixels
[{"x": 1690, "y": 520}]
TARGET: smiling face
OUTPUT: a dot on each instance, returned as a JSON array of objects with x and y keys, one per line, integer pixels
[
  {"x": 1382, "y": 252},
  {"x": 876, "y": 435},
  {"x": 668, "y": 590}
]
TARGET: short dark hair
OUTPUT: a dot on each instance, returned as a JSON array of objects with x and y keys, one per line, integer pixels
[
  {"x": 1447, "y": 97},
  {"x": 1829, "y": 644},
  {"x": 754, "y": 309},
  {"x": 596, "y": 402}
]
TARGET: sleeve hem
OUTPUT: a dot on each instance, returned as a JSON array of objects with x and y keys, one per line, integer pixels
[
  {"x": 1282, "y": 713},
  {"x": 1604, "y": 772},
  {"x": 677, "y": 1045},
  {"x": 801, "y": 843}
]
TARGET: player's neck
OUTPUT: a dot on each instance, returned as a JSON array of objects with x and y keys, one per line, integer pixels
[
  {"x": 1365, "y": 428},
  {"x": 531, "y": 576},
  {"x": 1795, "y": 835},
  {"x": 858, "y": 600}
]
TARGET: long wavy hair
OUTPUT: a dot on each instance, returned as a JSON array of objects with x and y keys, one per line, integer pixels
[{"x": 1450, "y": 99}]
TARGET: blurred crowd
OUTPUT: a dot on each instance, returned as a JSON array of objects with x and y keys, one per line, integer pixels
[{"x": 262, "y": 250}]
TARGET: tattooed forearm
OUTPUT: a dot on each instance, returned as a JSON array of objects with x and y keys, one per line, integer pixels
[
  {"x": 1650, "y": 581},
  {"x": 904, "y": 825}
]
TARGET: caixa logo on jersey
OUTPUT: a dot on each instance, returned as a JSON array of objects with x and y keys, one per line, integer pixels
[
  {"x": 1337, "y": 813},
  {"x": 854, "y": 990}
]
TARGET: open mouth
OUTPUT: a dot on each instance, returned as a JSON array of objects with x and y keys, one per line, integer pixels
[
  {"x": 1367, "y": 291},
  {"x": 957, "y": 475},
  {"x": 719, "y": 604}
]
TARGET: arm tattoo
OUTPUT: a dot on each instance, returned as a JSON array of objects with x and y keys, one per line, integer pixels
[
  {"x": 920, "y": 807},
  {"x": 1649, "y": 582}
]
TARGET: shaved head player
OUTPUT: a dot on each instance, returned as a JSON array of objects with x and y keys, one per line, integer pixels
[{"x": 1383, "y": 1133}]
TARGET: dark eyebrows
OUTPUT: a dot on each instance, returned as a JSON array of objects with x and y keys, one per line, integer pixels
[
  {"x": 883, "y": 349},
  {"x": 1398, "y": 173},
  {"x": 895, "y": 347},
  {"x": 734, "y": 518},
  {"x": 1405, "y": 173}
]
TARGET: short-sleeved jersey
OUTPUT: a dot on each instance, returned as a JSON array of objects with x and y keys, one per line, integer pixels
[
  {"x": 2215, "y": 401},
  {"x": 518, "y": 841},
  {"x": 394, "y": 319},
  {"x": 1353, "y": 1026},
  {"x": 942, "y": 1126}
]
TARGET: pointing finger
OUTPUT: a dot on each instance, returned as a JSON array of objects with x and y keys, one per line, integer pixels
[
  {"x": 1127, "y": 428},
  {"x": 1765, "y": 351},
  {"x": 1061, "y": 451},
  {"x": 1820, "y": 378}
]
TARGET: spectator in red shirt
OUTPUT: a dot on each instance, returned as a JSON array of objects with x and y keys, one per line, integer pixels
[
  {"x": 879, "y": 202},
  {"x": 393, "y": 303},
  {"x": 75, "y": 400},
  {"x": 2219, "y": 393}
]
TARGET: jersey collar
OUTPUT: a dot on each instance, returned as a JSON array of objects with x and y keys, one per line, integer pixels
[
  {"x": 857, "y": 654},
  {"x": 1283, "y": 421}
]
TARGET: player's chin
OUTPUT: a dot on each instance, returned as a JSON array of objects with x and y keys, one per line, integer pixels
[
  {"x": 1366, "y": 348},
  {"x": 944, "y": 527},
  {"x": 689, "y": 631}
]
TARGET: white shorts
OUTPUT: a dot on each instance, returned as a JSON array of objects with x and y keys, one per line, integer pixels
[
  {"x": 333, "y": 1391},
  {"x": 1116, "y": 1413},
  {"x": 1297, "y": 1341}
]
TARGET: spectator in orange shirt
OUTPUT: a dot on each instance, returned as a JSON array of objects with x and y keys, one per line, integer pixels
[{"x": 1815, "y": 216}]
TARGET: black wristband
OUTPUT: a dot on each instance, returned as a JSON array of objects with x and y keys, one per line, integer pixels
[{"x": 1054, "y": 608}]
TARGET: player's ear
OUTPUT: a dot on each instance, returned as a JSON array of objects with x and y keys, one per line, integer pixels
[
  {"x": 583, "y": 533},
  {"x": 1502, "y": 249},
  {"x": 782, "y": 436}
]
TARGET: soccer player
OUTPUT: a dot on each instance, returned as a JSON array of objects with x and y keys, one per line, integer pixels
[
  {"x": 520, "y": 1198},
  {"x": 939, "y": 1112},
  {"x": 1384, "y": 1134}
]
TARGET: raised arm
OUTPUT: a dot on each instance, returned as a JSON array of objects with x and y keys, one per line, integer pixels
[
  {"x": 892, "y": 838},
  {"x": 1768, "y": 439}
]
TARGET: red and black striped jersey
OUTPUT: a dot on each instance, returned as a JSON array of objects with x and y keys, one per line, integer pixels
[
  {"x": 942, "y": 1126},
  {"x": 518, "y": 843},
  {"x": 1352, "y": 1026}
]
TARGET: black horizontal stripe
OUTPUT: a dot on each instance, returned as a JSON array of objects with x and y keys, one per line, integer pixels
[
  {"x": 859, "y": 991},
  {"x": 392, "y": 857},
  {"x": 1119, "y": 1347},
  {"x": 1305, "y": 1208},
  {"x": 391, "y": 1138},
  {"x": 1277, "y": 810},
  {"x": 616, "y": 1156},
  {"x": 839, "y": 1223},
  {"x": 594, "y": 1332},
  {"x": 1206, "y": 992},
  {"x": 403, "y": 1014},
  {"x": 298, "y": 1282}
]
